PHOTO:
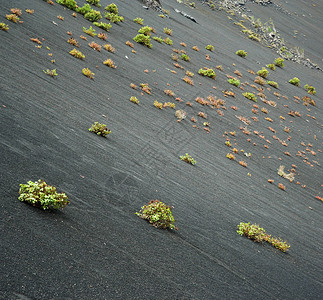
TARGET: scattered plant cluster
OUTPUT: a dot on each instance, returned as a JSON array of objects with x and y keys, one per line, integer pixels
[
  {"x": 279, "y": 62},
  {"x": 109, "y": 62},
  {"x": 4, "y": 27},
  {"x": 77, "y": 54},
  {"x": 207, "y": 72},
  {"x": 88, "y": 73},
  {"x": 139, "y": 21},
  {"x": 51, "y": 73},
  {"x": 99, "y": 129},
  {"x": 187, "y": 158},
  {"x": 209, "y": 47},
  {"x": 241, "y": 53},
  {"x": 263, "y": 73},
  {"x": 134, "y": 100},
  {"x": 250, "y": 96},
  {"x": 310, "y": 89},
  {"x": 294, "y": 81},
  {"x": 112, "y": 13},
  {"x": 234, "y": 81},
  {"x": 90, "y": 31},
  {"x": 104, "y": 26}
]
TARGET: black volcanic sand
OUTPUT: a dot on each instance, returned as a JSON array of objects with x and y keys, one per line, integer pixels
[{"x": 97, "y": 248}]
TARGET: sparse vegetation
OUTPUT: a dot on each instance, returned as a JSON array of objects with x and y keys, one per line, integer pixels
[
  {"x": 93, "y": 16},
  {"x": 241, "y": 53},
  {"x": 39, "y": 194},
  {"x": 71, "y": 4},
  {"x": 185, "y": 57},
  {"x": 279, "y": 62},
  {"x": 233, "y": 81},
  {"x": 146, "y": 30},
  {"x": 88, "y": 73},
  {"x": 4, "y": 27},
  {"x": 139, "y": 21},
  {"x": 95, "y": 46},
  {"x": 73, "y": 42},
  {"x": 90, "y": 31},
  {"x": 109, "y": 62},
  {"x": 168, "y": 41},
  {"x": 263, "y": 73},
  {"x": 158, "y": 214},
  {"x": 158, "y": 39},
  {"x": 51, "y": 73},
  {"x": 134, "y": 100},
  {"x": 250, "y": 96},
  {"x": 77, "y": 54},
  {"x": 168, "y": 31},
  {"x": 99, "y": 129},
  {"x": 94, "y": 2},
  {"x": 12, "y": 18},
  {"x": 104, "y": 26},
  {"x": 273, "y": 84},
  {"x": 207, "y": 72},
  {"x": 271, "y": 67},
  {"x": 310, "y": 89},
  {"x": 109, "y": 48},
  {"x": 187, "y": 158},
  {"x": 114, "y": 18},
  {"x": 209, "y": 47},
  {"x": 112, "y": 8},
  {"x": 143, "y": 39},
  {"x": 294, "y": 81}
]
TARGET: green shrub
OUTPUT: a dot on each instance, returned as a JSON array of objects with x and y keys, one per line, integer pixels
[
  {"x": 86, "y": 8},
  {"x": 139, "y": 21},
  {"x": 279, "y": 62},
  {"x": 114, "y": 18},
  {"x": 185, "y": 57},
  {"x": 4, "y": 27},
  {"x": 207, "y": 72},
  {"x": 310, "y": 89},
  {"x": 158, "y": 214},
  {"x": 90, "y": 31},
  {"x": 112, "y": 8},
  {"x": 209, "y": 47},
  {"x": 168, "y": 31},
  {"x": 158, "y": 39},
  {"x": 273, "y": 84},
  {"x": 146, "y": 30},
  {"x": 93, "y": 16},
  {"x": 263, "y": 73},
  {"x": 77, "y": 54},
  {"x": 294, "y": 81},
  {"x": 254, "y": 37},
  {"x": 51, "y": 73},
  {"x": 168, "y": 41},
  {"x": 258, "y": 234},
  {"x": 271, "y": 67},
  {"x": 250, "y": 96},
  {"x": 39, "y": 194},
  {"x": 71, "y": 4},
  {"x": 88, "y": 73},
  {"x": 187, "y": 158},
  {"x": 104, "y": 26},
  {"x": 94, "y": 2},
  {"x": 241, "y": 53},
  {"x": 99, "y": 129},
  {"x": 143, "y": 39},
  {"x": 235, "y": 82},
  {"x": 13, "y": 18}
]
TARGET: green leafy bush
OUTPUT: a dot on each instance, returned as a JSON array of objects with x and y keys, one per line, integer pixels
[
  {"x": 112, "y": 8},
  {"x": 114, "y": 18},
  {"x": 310, "y": 89},
  {"x": 279, "y": 62},
  {"x": 294, "y": 81},
  {"x": 139, "y": 21},
  {"x": 93, "y": 16},
  {"x": 209, "y": 47},
  {"x": 185, "y": 57},
  {"x": 158, "y": 214},
  {"x": 187, "y": 158},
  {"x": 235, "y": 82},
  {"x": 241, "y": 53},
  {"x": 39, "y": 194},
  {"x": 51, "y": 73},
  {"x": 158, "y": 39},
  {"x": 250, "y": 96},
  {"x": 258, "y": 234},
  {"x": 94, "y": 2},
  {"x": 90, "y": 31},
  {"x": 77, "y": 54},
  {"x": 273, "y": 84},
  {"x": 143, "y": 39},
  {"x": 104, "y": 26},
  {"x": 168, "y": 41},
  {"x": 271, "y": 67},
  {"x": 4, "y": 27},
  {"x": 71, "y": 4},
  {"x": 263, "y": 73},
  {"x": 86, "y": 8},
  {"x": 207, "y": 72},
  {"x": 146, "y": 30},
  {"x": 99, "y": 129}
]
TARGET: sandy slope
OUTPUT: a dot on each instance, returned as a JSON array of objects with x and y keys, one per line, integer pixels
[{"x": 97, "y": 248}]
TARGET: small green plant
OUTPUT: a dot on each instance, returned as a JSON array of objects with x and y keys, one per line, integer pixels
[
  {"x": 99, "y": 129},
  {"x": 134, "y": 100},
  {"x": 104, "y": 26},
  {"x": 310, "y": 89},
  {"x": 39, "y": 194},
  {"x": 158, "y": 39},
  {"x": 109, "y": 62},
  {"x": 185, "y": 57},
  {"x": 168, "y": 31},
  {"x": 263, "y": 73},
  {"x": 114, "y": 18},
  {"x": 139, "y": 21},
  {"x": 258, "y": 234},
  {"x": 93, "y": 16},
  {"x": 143, "y": 39},
  {"x": 250, "y": 96},
  {"x": 158, "y": 214},
  {"x": 51, "y": 73},
  {"x": 273, "y": 84},
  {"x": 294, "y": 81},
  {"x": 235, "y": 82},
  {"x": 208, "y": 73},
  {"x": 87, "y": 72},
  {"x": 146, "y": 30},
  {"x": 4, "y": 27},
  {"x": 271, "y": 67},
  {"x": 241, "y": 53},
  {"x": 71, "y": 4},
  {"x": 279, "y": 62},
  {"x": 168, "y": 41},
  {"x": 13, "y": 18},
  {"x": 187, "y": 158},
  {"x": 77, "y": 54},
  {"x": 254, "y": 37},
  {"x": 90, "y": 31},
  {"x": 112, "y": 8},
  {"x": 86, "y": 8},
  {"x": 94, "y": 2},
  {"x": 209, "y": 47}
]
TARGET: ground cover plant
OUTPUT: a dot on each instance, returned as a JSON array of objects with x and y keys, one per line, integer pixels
[
  {"x": 93, "y": 16},
  {"x": 51, "y": 73},
  {"x": 143, "y": 39},
  {"x": 273, "y": 84},
  {"x": 104, "y": 26},
  {"x": 88, "y": 73},
  {"x": 77, "y": 54},
  {"x": 158, "y": 214},
  {"x": 209, "y": 47},
  {"x": 86, "y": 8},
  {"x": 187, "y": 158},
  {"x": 310, "y": 89},
  {"x": 258, "y": 234},
  {"x": 134, "y": 100},
  {"x": 90, "y": 31},
  {"x": 100, "y": 129},
  {"x": 168, "y": 41},
  {"x": 279, "y": 62},
  {"x": 109, "y": 62},
  {"x": 233, "y": 81},
  {"x": 241, "y": 53},
  {"x": 294, "y": 81},
  {"x": 71, "y": 4},
  {"x": 4, "y": 27},
  {"x": 39, "y": 194},
  {"x": 271, "y": 67},
  {"x": 158, "y": 39},
  {"x": 94, "y": 2},
  {"x": 13, "y": 18},
  {"x": 263, "y": 73},
  {"x": 250, "y": 96},
  {"x": 208, "y": 73},
  {"x": 139, "y": 21}
]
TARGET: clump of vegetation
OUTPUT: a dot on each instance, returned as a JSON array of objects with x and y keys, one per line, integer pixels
[
  {"x": 158, "y": 214},
  {"x": 16, "y": 11},
  {"x": 308, "y": 100},
  {"x": 250, "y": 96},
  {"x": 188, "y": 80},
  {"x": 51, "y": 73},
  {"x": 168, "y": 41},
  {"x": 88, "y": 73},
  {"x": 4, "y": 27},
  {"x": 231, "y": 156},
  {"x": 109, "y": 62},
  {"x": 195, "y": 48},
  {"x": 93, "y": 16},
  {"x": 158, "y": 39},
  {"x": 279, "y": 62},
  {"x": 146, "y": 30},
  {"x": 95, "y": 46},
  {"x": 109, "y": 48},
  {"x": 90, "y": 31},
  {"x": 273, "y": 84},
  {"x": 143, "y": 39},
  {"x": 99, "y": 129},
  {"x": 71, "y": 4},
  {"x": 73, "y": 42},
  {"x": 94, "y": 2},
  {"x": 185, "y": 57},
  {"x": 271, "y": 67},
  {"x": 134, "y": 100},
  {"x": 207, "y": 72},
  {"x": 139, "y": 21},
  {"x": 77, "y": 54},
  {"x": 233, "y": 81},
  {"x": 102, "y": 36},
  {"x": 310, "y": 89},
  {"x": 187, "y": 158},
  {"x": 258, "y": 234},
  {"x": 209, "y": 47},
  {"x": 104, "y": 26},
  {"x": 13, "y": 18},
  {"x": 260, "y": 80},
  {"x": 294, "y": 81},
  {"x": 263, "y": 73},
  {"x": 241, "y": 53},
  {"x": 168, "y": 31},
  {"x": 39, "y": 194},
  {"x": 114, "y": 18},
  {"x": 86, "y": 8},
  {"x": 112, "y": 8}
]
